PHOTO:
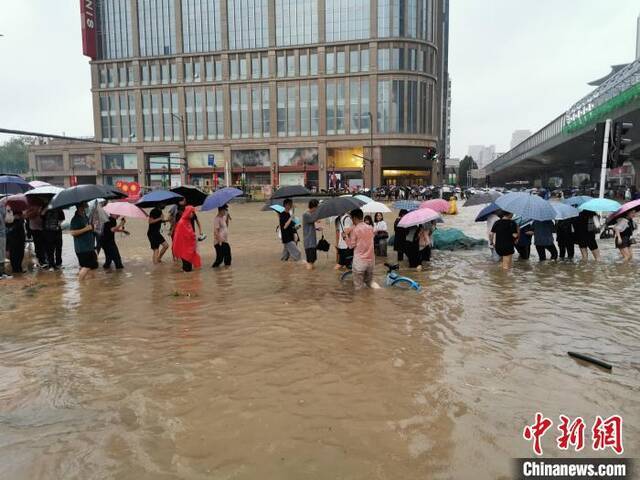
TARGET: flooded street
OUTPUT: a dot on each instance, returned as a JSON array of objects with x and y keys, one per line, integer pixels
[{"x": 266, "y": 370}]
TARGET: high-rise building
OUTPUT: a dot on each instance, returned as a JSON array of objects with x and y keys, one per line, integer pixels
[
  {"x": 267, "y": 92},
  {"x": 638, "y": 38},
  {"x": 482, "y": 155},
  {"x": 519, "y": 136}
]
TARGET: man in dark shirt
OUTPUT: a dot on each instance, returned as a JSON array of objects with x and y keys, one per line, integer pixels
[
  {"x": 83, "y": 241},
  {"x": 288, "y": 232},
  {"x": 111, "y": 252}
]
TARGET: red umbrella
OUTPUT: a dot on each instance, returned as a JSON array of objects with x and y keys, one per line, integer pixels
[
  {"x": 18, "y": 203},
  {"x": 437, "y": 204},
  {"x": 632, "y": 205}
]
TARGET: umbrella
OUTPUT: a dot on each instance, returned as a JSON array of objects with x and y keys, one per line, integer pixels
[
  {"x": 193, "y": 195},
  {"x": 419, "y": 217},
  {"x": 44, "y": 191},
  {"x": 564, "y": 211},
  {"x": 406, "y": 205},
  {"x": 482, "y": 198},
  {"x": 291, "y": 191},
  {"x": 437, "y": 204},
  {"x": 38, "y": 184},
  {"x": 159, "y": 197},
  {"x": 276, "y": 208},
  {"x": 526, "y": 206},
  {"x": 18, "y": 202},
  {"x": 336, "y": 206},
  {"x": 632, "y": 205},
  {"x": 375, "y": 207},
  {"x": 487, "y": 211},
  {"x": 220, "y": 197},
  {"x": 124, "y": 209},
  {"x": 10, "y": 184},
  {"x": 364, "y": 198},
  {"x": 83, "y": 193},
  {"x": 600, "y": 205},
  {"x": 577, "y": 200}
]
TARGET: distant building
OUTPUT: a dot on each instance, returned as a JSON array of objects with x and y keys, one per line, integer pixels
[
  {"x": 519, "y": 136},
  {"x": 638, "y": 39},
  {"x": 483, "y": 155},
  {"x": 451, "y": 171}
]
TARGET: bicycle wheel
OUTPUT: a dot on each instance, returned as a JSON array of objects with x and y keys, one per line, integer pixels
[{"x": 406, "y": 283}]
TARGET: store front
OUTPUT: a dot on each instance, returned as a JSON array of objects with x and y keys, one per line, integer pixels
[
  {"x": 163, "y": 170},
  {"x": 206, "y": 169},
  {"x": 406, "y": 177},
  {"x": 406, "y": 166},
  {"x": 344, "y": 168},
  {"x": 250, "y": 168},
  {"x": 298, "y": 166}
]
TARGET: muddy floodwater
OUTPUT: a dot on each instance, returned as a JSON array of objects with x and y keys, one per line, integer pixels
[{"x": 268, "y": 371}]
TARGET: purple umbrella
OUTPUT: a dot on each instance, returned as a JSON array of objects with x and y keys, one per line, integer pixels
[
  {"x": 219, "y": 198},
  {"x": 632, "y": 205},
  {"x": 10, "y": 184}
]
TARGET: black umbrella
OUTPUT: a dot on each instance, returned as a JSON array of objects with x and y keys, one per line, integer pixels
[
  {"x": 193, "y": 195},
  {"x": 83, "y": 193},
  {"x": 336, "y": 206},
  {"x": 291, "y": 191},
  {"x": 482, "y": 198}
]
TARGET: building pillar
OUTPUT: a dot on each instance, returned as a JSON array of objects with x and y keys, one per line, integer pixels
[
  {"x": 322, "y": 13},
  {"x": 143, "y": 176},
  {"x": 323, "y": 167},
  {"x": 635, "y": 163},
  {"x": 273, "y": 157},
  {"x": 178, "y": 20},
  {"x": 135, "y": 31},
  {"x": 227, "y": 166}
]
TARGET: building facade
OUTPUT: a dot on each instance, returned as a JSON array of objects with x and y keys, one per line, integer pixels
[
  {"x": 483, "y": 155},
  {"x": 265, "y": 92},
  {"x": 519, "y": 136}
]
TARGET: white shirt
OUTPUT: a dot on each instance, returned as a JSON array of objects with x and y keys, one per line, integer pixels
[
  {"x": 621, "y": 225},
  {"x": 380, "y": 226},
  {"x": 343, "y": 223}
]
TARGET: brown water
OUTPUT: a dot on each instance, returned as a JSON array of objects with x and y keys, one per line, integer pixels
[{"x": 266, "y": 370}]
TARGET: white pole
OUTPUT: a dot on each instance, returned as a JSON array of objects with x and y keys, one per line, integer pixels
[{"x": 605, "y": 154}]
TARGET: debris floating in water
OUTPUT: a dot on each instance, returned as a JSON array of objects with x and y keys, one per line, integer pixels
[{"x": 589, "y": 359}]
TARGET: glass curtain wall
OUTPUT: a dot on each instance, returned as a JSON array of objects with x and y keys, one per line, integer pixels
[
  {"x": 248, "y": 24},
  {"x": 114, "y": 29},
  {"x": 296, "y": 22},
  {"x": 157, "y": 27},
  {"x": 201, "y": 30}
]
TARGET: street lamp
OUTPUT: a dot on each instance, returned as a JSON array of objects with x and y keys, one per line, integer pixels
[
  {"x": 371, "y": 148},
  {"x": 184, "y": 149}
]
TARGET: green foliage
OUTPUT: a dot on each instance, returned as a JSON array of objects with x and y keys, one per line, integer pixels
[
  {"x": 13, "y": 156},
  {"x": 466, "y": 164}
]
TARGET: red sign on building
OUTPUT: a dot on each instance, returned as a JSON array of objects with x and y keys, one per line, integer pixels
[{"x": 89, "y": 20}]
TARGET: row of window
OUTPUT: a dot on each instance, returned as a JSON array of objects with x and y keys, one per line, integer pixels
[
  {"x": 296, "y": 23},
  {"x": 339, "y": 60},
  {"x": 404, "y": 106}
]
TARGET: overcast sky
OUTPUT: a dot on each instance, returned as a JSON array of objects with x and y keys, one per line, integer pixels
[{"x": 514, "y": 63}]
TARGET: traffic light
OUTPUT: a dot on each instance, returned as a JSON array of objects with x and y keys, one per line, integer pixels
[
  {"x": 430, "y": 153},
  {"x": 618, "y": 153},
  {"x": 598, "y": 142}
]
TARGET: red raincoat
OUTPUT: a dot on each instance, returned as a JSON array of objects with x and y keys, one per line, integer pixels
[{"x": 184, "y": 239}]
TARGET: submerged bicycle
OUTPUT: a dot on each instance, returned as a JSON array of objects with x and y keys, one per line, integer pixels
[{"x": 392, "y": 279}]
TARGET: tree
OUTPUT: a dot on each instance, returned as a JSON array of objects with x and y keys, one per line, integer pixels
[
  {"x": 13, "y": 156},
  {"x": 466, "y": 164}
]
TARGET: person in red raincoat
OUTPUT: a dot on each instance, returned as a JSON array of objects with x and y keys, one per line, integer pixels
[{"x": 184, "y": 241}]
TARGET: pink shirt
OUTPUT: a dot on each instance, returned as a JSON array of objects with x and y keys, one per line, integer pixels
[
  {"x": 220, "y": 228},
  {"x": 361, "y": 240}
]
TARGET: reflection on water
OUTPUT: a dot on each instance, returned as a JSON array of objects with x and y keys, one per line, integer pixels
[{"x": 266, "y": 370}]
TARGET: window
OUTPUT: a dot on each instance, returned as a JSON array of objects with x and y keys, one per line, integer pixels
[
  {"x": 248, "y": 24},
  {"x": 266, "y": 120},
  {"x": 364, "y": 59},
  {"x": 330, "y": 64},
  {"x": 165, "y": 76},
  {"x": 120, "y": 161},
  {"x": 188, "y": 71},
  {"x": 156, "y": 19},
  {"x": 406, "y": 18},
  {"x": 281, "y": 65},
  {"x": 122, "y": 73},
  {"x": 209, "y": 70},
  {"x": 384, "y": 59},
  {"x": 243, "y": 67},
  {"x": 260, "y": 111},
  {"x": 291, "y": 65},
  {"x": 155, "y": 75},
  {"x": 308, "y": 108},
  {"x": 304, "y": 64},
  {"x": 340, "y": 63},
  {"x": 341, "y": 23},
  {"x": 354, "y": 60},
  {"x": 281, "y": 112},
  {"x": 265, "y": 66},
  {"x": 359, "y": 105},
  {"x": 313, "y": 62},
  {"x": 233, "y": 67},
  {"x": 114, "y": 29},
  {"x": 255, "y": 67},
  {"x": 315, "y": 110},
  {"x": 215, "y": 114},
  {"x": 404, "y": 106},
  {"x": 201, "y": 29},
  {"x": 296, "y": 22},
  {"x": 118, "y": 117},
  {"x": 335, "y": 107},
  {"x": 287, "y": 109},
  {"x": 235, "y": 112}
]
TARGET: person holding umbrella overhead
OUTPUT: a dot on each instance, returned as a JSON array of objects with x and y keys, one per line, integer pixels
[
  {"x": 543, "y": 238},
  {"x": 156, "y": 241},
  {"x": 585, "y": 229},
  {"x": 504, "y": 235},
  {"x": 83, "y": 241},
  {"x": 3, "y": 239},
  {"x": 221, "y": 237},
  {"x": 287, "y": 231},
  {"x": 309, "y": 230},
  {"x": 184, "y": 241}
]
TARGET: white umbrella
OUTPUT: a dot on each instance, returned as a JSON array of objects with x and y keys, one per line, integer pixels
[
  {"x": 45, "y": 190},
  {"x": 375, "y": 207}
]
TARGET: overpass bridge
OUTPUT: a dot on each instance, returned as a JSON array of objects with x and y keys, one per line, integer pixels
[{"x": 564, "y": 146}]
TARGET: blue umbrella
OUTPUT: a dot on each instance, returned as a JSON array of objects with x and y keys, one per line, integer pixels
[
  {"x": 577, "y": 200},
  {"x": 407, "y": 205},
  {"x": 158, "y": 197},
  {"x": 564, "y": 211},
  {"x": 220, "y": 198},
  {"x": 364, "y": 198},
  {"x": 12, "y": 184},
  {"x": 526, "y": 206},
  {"x": 277, "y": 208},
  {"x": 600, "y": 205},
  {"x": 487, "y": 211}
]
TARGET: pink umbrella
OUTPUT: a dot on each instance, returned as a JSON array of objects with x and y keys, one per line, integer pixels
[
  {"x": 418, "y": 217},
  {"x": 124, "y": 209},
  {"x": 632, "y": 205},
  {"x": 437, "y": 205},
  {"x": 38, "y": 183}
]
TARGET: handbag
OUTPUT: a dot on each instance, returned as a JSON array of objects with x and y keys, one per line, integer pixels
[{"x": 323, "y": 245}]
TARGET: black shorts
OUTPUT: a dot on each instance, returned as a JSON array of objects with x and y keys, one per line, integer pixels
[
  {"x": 88, "y": 260},
  {"x": 345, "y": 256},
  {"x": 588, "y": 241},
  {"x": 504, "y": 250},
  {"x": 625, "y": 243},
  {"x": 311, "y": 254},
  {"x": 155, "y": 240}
]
